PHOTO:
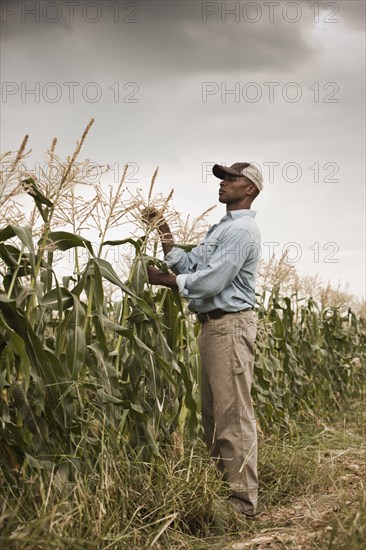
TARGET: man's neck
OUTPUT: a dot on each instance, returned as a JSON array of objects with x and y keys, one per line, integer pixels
[{"x": 232, "y": 207}]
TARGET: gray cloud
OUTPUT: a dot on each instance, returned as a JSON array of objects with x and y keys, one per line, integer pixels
[
  {"x": 18, "y": 24},
  {"x": 171, "y": 36}
]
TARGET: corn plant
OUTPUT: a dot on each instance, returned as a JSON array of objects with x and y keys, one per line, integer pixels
[
  {"x": 82, "y": 374},
  {"x": 73, "y": 371},
  {"x": 308, "y": 359}
]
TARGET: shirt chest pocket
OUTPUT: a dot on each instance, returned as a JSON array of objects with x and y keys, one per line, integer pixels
[{"x": 208, "y": 248}]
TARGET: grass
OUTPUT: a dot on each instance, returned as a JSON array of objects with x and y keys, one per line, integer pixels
[
  {"x": 313, "y": 485},
  {"x": 312, "y": 495}
]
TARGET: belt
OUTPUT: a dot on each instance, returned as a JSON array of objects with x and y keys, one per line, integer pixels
[{"x": 217, "y": 314}]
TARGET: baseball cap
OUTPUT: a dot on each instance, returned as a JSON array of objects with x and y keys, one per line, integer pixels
[{"x": 246, "y": 169}]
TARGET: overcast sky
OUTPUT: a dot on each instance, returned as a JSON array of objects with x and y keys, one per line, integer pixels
[{"x": 280, "y": 84}]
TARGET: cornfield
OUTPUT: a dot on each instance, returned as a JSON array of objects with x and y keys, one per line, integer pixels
[{"x": 98, "y": 361}]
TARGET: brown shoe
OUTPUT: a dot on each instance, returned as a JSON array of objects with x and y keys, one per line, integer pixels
[{"x": 242, "y": 507}]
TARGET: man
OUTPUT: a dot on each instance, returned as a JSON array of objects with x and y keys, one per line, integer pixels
[{"x": 218, "y": 276}]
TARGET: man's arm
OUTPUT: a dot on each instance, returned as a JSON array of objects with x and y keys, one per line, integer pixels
[
  {"x": 166, "y": 237},
  {"x": 151, "y": 216},
  {"x": 224, "y": 265},
  {"x": 177, "y": 259}
]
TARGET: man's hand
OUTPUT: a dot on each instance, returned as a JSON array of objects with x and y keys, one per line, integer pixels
[
  {"x": 157, "y": 277},
  {"x": 152, "y": 217}
]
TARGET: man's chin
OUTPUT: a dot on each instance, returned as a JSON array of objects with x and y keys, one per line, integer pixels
[{"x": 222, "y": 199}]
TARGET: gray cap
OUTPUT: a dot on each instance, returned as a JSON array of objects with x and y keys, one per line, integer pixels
[{"x": 246, "y": 169}]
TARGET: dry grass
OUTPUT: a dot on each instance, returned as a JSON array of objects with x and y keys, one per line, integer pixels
[
  {"x": 312, "y": 496},
  {"x": 313, "y": 488},
  {"x": 10, "y": 184}
]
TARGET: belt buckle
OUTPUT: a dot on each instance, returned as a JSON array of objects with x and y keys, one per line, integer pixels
[{"x": 216, "y": 314}]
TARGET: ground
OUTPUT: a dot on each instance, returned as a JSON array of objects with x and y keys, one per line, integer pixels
[{"x": 318, "y": 500}]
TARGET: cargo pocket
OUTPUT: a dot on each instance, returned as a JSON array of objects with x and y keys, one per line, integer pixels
[
  {"x": 251, "y": 331},
  {"x": 239, "y": 362}
]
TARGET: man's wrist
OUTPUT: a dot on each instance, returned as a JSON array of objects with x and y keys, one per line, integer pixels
[
  {"x": 169, "y": 281},
  {"x": 163, "y": 227}
]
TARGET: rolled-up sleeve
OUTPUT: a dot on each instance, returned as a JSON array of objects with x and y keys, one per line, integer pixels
[
  {"x": 224, "y": 265},
  {"x": 181, "y": 281},
  {"x": 180, "y": 261}
]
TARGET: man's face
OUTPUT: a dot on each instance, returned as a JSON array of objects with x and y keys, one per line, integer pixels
[{"x": 233, "y": 189}]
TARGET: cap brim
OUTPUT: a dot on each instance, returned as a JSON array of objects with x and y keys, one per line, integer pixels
[{"x": 222, "y": 171}]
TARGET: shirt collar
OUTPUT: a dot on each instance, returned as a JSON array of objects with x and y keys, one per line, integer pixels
[{"x": 232, "y": 214}]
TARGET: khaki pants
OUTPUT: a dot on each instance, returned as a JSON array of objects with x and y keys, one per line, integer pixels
[{"x": 227, "y": 359}]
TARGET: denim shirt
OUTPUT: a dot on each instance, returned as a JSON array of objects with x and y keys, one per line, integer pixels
[{"x": 220, "y": 272}]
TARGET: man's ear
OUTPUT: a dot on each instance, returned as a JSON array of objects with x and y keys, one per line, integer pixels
[{"x": 253, "y": 191}]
